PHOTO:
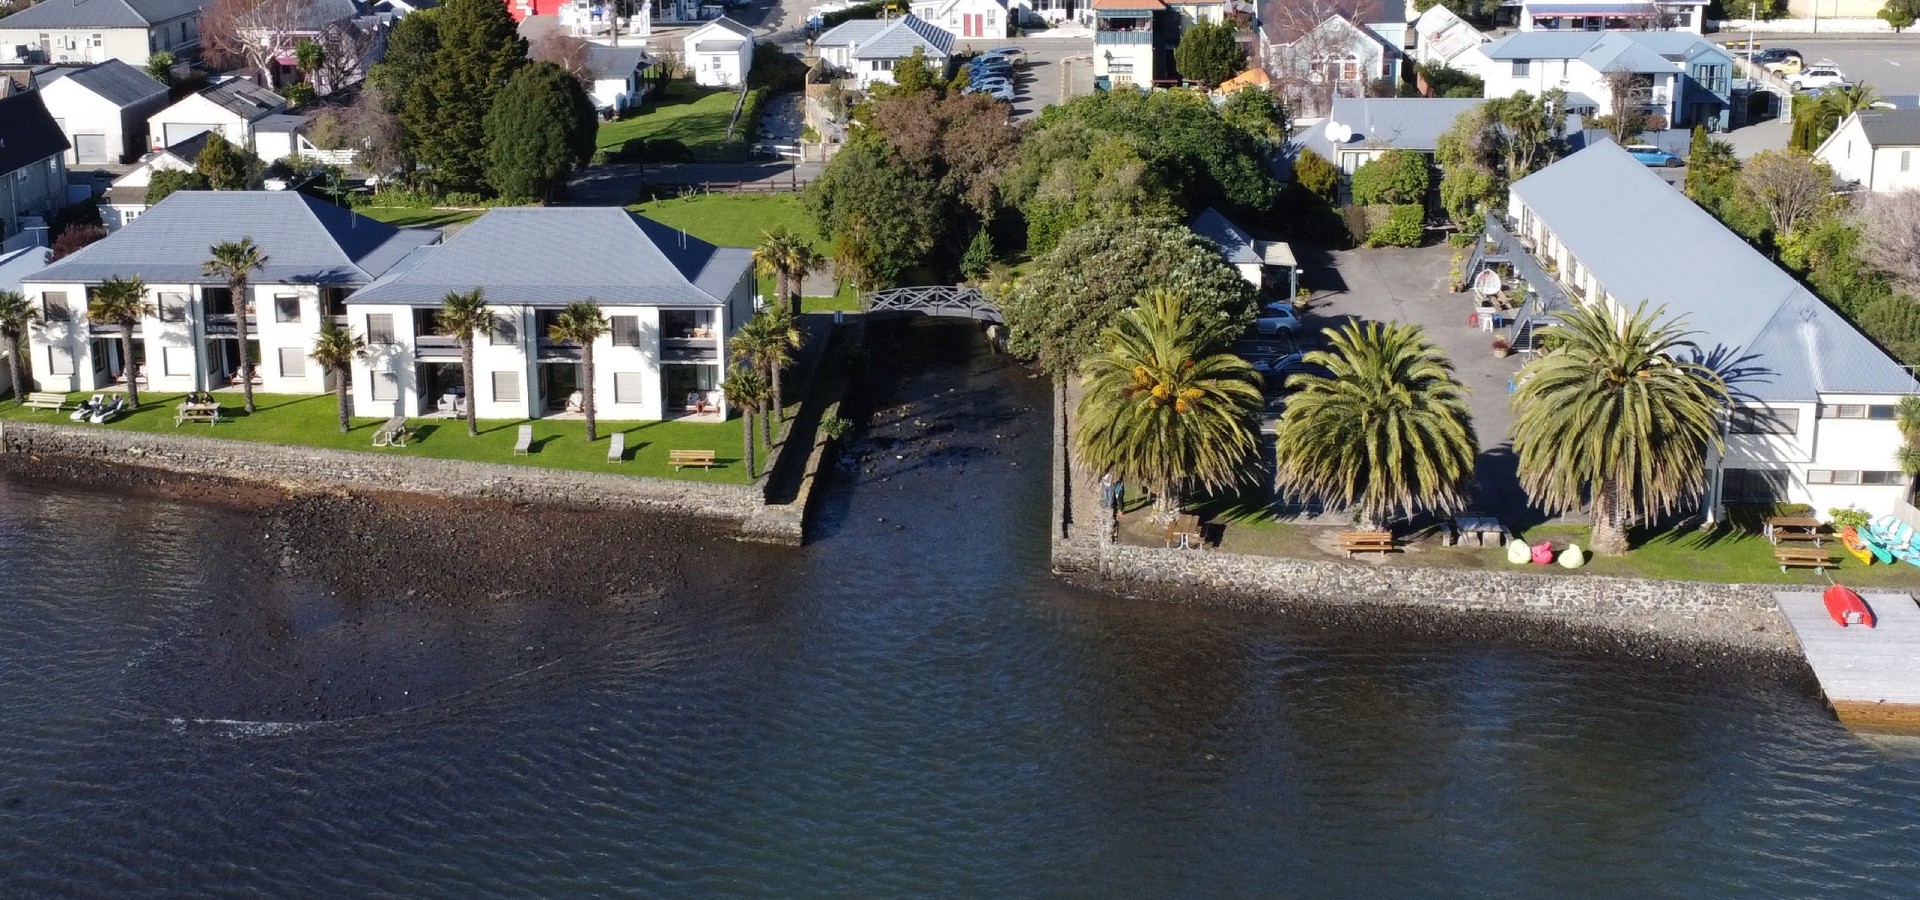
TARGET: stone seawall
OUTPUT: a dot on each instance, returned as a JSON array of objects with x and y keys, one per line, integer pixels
[{"x": 311, "y": 468}]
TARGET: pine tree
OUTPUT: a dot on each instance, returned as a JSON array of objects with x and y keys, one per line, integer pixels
[
  {"x": 226, "y": 167},
  {"x": 479, "y": 50},
  {"x": 541, "y": 127}
]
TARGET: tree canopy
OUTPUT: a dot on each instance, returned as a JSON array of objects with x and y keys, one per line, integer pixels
[
  {"x": 540, "y": 129},
  {"x": 476, "y": 49},
  {"x": 1209, "y": 53},
  {"x": 1395, "y": 177},
  {"x": 1056, "y": 313},
  {"x": 1900, "y": 13},
  {"x": 224, "y": 166}
]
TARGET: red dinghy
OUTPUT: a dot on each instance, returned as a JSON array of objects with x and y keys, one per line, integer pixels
[{"x": 1846, "y": 607}]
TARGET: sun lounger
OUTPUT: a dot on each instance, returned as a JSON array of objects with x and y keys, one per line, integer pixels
[
  {"x": 617, "y": 447},
  {"x": 524, "y": 445},
  {"x": 392, "y": 434}
]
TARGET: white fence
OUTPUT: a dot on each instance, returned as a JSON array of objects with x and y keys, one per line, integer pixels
[{"x": 1803, "y": 26}]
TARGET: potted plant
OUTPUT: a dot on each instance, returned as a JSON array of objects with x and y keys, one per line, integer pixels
[
  {"x": 1301, "y": 298},
  {"x": 1500, "y": 346}
]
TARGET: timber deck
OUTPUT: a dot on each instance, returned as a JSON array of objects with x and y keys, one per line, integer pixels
[{"x": 1871, "y": 676}]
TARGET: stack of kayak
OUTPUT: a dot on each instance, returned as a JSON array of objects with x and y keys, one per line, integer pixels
[{"x": 1884, "y": 539}]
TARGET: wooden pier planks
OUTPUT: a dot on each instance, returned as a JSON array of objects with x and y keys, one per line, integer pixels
[{"x": 1871, "y": 676}]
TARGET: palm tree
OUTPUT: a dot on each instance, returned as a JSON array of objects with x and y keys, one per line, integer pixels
[
  {"x": 16, "y": 315},
  {"x": 750, "y": 347},
  {"x": 771, "y": 338},
  {"x": 580, "y": 323},
  {"x": 804, "y": 260},
  {"x": 123, "y": 302},
  {"x": 1388, "y": 430},
  {"x": 1845, "y": 101},
  {"x": 466, "y": 315},
  {"x": 745, "y": 389},
  {"x": 787, "y": 257},
  {"x": 236, "y": 261},
  {"x": 1163, "y": 408},
  {"x": 1615, "y": 414},
  {"x": 335, "y": 350}
]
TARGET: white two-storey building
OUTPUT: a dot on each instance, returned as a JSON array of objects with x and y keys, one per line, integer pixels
[
  {"x": 316, "y": 253},
  {"x": 1812, "y": 418},
  {"x": 670, "y": 302}
]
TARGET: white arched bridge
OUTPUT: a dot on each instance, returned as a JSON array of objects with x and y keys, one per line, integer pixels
[{"x": 953, "y": 301}]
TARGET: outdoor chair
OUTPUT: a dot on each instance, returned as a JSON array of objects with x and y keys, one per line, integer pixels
[
  {"x": 524, "y": 445},
  {"x": 617, "y": 447}
]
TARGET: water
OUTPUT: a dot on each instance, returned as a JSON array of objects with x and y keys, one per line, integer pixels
[{"x": 908, "y": 706}]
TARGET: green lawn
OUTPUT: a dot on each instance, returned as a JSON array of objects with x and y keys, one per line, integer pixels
[
  {"x": 312, "y": 421},
  {"x": 683, "y": 112},
  {"x": 741, "y": 220},
  {"x": 419, "y": 217}
]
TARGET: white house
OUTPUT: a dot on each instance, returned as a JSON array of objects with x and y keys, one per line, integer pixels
[
  {"x": 1320, "y": 49},
  {"x": 33, "y": 174},
  {"x": 90, "y": 31},
  {"x": 1444, "y": 39},
  {"x": 1613, "y": 15},
  {"x": 103, "y": 110},
  {"x": 1678, "y": 76},
  {"x": 126, "y": 197},
  {"x": 317, "y": 254},
  {"x": 671, "y": 303},
  {"x": 1878, "y": 149},
  {"x": 719, "y": 53},
  {"x": 868, "y": 49},
  {"x": 1250, "y": 257},
  {"x": 619, "y": 77},
  {"x": 1812, "y": 419},
  {"x": 986, "y": 20},
  {"x": 1359, "y": 130},
  {"x": 234, "y": 108}
]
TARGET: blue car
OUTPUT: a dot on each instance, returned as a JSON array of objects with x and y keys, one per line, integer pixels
[{"x": 1650, "y": 155}]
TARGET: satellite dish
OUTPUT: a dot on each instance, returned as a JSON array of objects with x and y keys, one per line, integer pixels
[
  {"x": 1487, "y": 282},
  {"x": 1338, "y": 133}
]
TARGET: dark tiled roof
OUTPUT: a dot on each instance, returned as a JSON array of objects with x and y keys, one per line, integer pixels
[
  {"x": 1891, "y": 127},
  {"x": 117, "y": 83},
  {"x": 28, "y": 133},
  {"x": 100, "y": 13}
]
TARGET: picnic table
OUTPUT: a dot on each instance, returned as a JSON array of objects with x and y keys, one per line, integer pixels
[
  {"x": 1793, "y": 528},
  {"x": 196, "y": 412},
  {"x": 1183, "y": 532},
  {"x": 1481, "y": 527}
]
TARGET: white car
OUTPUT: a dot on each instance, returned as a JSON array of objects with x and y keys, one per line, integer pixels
[
  {"x": 1819, "y": 76},
  {"x": 1277, "y": 318}
]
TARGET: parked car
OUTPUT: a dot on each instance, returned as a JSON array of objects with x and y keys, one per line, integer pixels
[
  {"x": 1000, "y": 92},
  {"x": 1790, "y": 64},
  {"x": 989, "y": 60},
  {"x": 1277, "y": 318},
  {"x": 1774, "y": 55},
  {"x": 1013, "y": 55},
  {"x": 1654, "y": 156},
  {"x": 1000, "y": 68},
  {"x": 987, "y": 84},
  {"x": 1819, "y": 76},
  {"x": 1275, "y": 369}
]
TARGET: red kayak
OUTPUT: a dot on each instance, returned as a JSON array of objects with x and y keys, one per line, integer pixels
[{"x": 1846, "y": 607}]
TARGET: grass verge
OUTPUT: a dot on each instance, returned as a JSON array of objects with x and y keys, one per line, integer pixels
[
  {"x": 741, "y": 220},
  {"x": 684, "y": 112}
]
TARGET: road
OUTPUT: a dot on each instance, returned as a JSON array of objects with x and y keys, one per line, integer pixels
[{"x": 1891, "y": 65}]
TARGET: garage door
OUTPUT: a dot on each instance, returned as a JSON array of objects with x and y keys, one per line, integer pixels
[
  {"x": 176, "y": 132},
  {"x": 90, "y": 148}
]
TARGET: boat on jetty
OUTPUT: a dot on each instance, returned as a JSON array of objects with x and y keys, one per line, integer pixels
[{"x": 1846, "y": 607}]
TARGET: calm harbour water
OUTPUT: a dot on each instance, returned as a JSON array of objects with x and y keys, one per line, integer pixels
[{"x": 908, "y": 706}]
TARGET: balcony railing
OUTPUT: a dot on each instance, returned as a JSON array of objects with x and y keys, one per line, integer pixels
[{"x": 1123, "y": 37}]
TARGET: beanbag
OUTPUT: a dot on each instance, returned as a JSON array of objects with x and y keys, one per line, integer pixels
[
  {"x": 1572, "y": 557},
  {"x": 1517, "y": 552}
]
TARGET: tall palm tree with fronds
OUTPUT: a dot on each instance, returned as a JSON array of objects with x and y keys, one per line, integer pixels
[
  {"x": 1163, "y": 407},
  {"x": 335, "y": 350},
  {"x": 773, "y": 337},
  {"x": 122, "y": 302},
  {"x": 581, "y": 323},
  {"x": 746, "y": 390},
  {"x": 16, "y": 316},
  {"x": 235, "y": 263},
  {"x": 466, "y": 315},
  {"x": 1387, "y": 430},
  {"x": 1616, "y": 414},
  {"x": 1907, "y": 417},
  {"x": 788, "y": 258}
]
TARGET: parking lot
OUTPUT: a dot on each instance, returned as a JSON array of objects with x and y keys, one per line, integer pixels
[
  {"x": 1057, "y": 69},
  {"x": 1891, "y": 64}
]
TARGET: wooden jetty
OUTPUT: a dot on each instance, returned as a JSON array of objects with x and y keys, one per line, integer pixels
[{"x": 1871, "y": 676}]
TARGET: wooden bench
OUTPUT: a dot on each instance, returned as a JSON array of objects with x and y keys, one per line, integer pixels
[
  {"x": 682, "y": 458},
  {"x": 46, "y": 400},
  {"x": 1802, "y": 558},
  {"x": 1352, "y": 542},
  {"x": 1183, "y": 532}
]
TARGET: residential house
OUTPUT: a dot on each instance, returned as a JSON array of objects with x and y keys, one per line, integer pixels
[
  {"x": 1613, "y": 15},
  {"x": 234, "y": 107},
  {"x": 126, "y": 197},
  {"x": 868, "y": 49},
  {"x": 1050, "y": 12},
  {"x": 1359, "y": 130},
  {"x": 719, "y": 53},
  {"x": 1132, "y": 43},
  {"x": 33, "y": 172},
  {"x": 1678, "y": 77},
  {"x": 15, "y": 265},
  {"x": 1441, "y": 38},
  {"x": 1876, "y": 149},
  {"x": 103, "y": 110},
  {"x": 1251, "y": 258},
  {"x": 91, "y": 31},
  {"x": 671, "y": 302},
  {"x": 987, "y": 20},
  {"x": 1813, "y": 415},
  {"x": 1322, "y": 49},
  {"x": 20, "y": 78},
  {"x": 620, "y": 77},
  {"x": 316, "y": 253}
]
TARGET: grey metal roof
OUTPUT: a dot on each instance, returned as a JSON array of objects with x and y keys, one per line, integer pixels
[
  {"x": 1606, "y": 51},
  {"x": 306, "y": 241},
  {"x": 718, "y": 46},
  {"x": 282, "y": 123},
  {"x": 901, "y": 36},
  {"x": 852, "y": 33},
  {"x": 245, "y": 99},
  {"x": 1644, "y": 240},
  {"x": 724, "y": 23},
  {"x": 117, "y": 83},
  {"x": 1234, "y": 244},
  {"x": 552, "y": 256},
  {"x": 100, "y": 13},
  {"x": 20, "y": 264},
  {"x": 1890, "y": 127},
  {"x": 616, "y": 62},
  {"x": 1404, "y": 123},
  {"x": 28, "y": 133}
]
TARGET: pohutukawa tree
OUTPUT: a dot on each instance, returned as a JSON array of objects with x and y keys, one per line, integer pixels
[
  {"x": 466, "y": 315},
  {"x": 1386, "y": 431},
  {"x": 1616, "y": 415},
  {"x": 235, "y": 262},
  {"x": 580, "y": 323},
  {"x": 122, "y": 302},
  {"x": 335, "y": 350},
  {"x": 16, "y": 316},
  {"x": 1164, "y": 407}
]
